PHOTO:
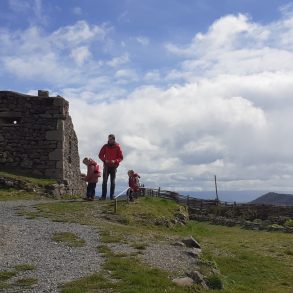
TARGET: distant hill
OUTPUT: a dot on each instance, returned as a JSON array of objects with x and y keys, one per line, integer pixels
[{"x": 275, "y": 199}]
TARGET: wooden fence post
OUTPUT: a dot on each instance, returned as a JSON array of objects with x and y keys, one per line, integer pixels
[{"x": 115, "y": 205}]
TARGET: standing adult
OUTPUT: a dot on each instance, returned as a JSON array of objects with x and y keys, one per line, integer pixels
[{"x": 111, "y": 155}]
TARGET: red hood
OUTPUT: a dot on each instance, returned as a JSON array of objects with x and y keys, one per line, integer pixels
[{"x": 92, "y": 162}]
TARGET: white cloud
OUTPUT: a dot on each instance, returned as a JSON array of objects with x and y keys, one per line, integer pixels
[
  {"x": 235, "y": 45},
  {"x": 153, "y": 75},
  {"x": 33, "y": 53},
  {"x": 126, "y": 75},
  {"x": 78, "y": 33},
  {"x": 117, "y": 61},
  {"x": 80, "y": 55},
  {"x": 143, "y": 40},
  {"x": 138, "y": 143}
]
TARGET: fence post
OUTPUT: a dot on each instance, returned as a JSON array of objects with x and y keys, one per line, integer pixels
[{"x": 115, "y": 205}]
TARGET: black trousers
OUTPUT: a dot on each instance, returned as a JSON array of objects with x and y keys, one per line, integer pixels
[
  {"x": 91, "y": 190},
  {"x": 106, "y": 172}
]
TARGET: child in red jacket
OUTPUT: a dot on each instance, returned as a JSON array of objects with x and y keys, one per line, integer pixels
[
  {"x": 133, "y": 183},
  {"x": 92, "y": 176}
]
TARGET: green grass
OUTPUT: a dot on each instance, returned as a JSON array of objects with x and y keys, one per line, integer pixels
[
  {"x": 248, "y": 261},
  {"x": 127, "y": 276},
  {"x": 6, "y": 275},
  {"x": 24, "y": 267},
  {"x": 140, "y": 246},
  {"x": 29, "y": 179},
  {"x": 26, "y": 282},
  {"x": 69, "y": 238},
  {"x": 14, "y": 194}
]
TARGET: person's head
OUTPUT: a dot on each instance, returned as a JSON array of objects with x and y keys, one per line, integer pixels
[
  {"x": 86, "y": 161},
  {"x": 130, "y": 173},
  {"x": 111, "y": 139}
]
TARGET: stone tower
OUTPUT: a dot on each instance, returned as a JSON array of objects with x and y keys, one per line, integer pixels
[{"x": 37, "y": 138}]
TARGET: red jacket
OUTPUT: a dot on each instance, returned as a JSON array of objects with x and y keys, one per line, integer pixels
[
  {"x": 93, "y": 172},
  {"x": 111, "y": 153},
  {"x": 133, "y": 182}
]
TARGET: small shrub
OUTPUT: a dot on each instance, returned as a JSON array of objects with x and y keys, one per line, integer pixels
[
  {"x": 214, "y": 282},
  {"x": 289, "y": 223}
]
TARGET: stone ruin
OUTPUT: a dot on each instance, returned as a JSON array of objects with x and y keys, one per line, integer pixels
[{"x": 37, "y": 138}]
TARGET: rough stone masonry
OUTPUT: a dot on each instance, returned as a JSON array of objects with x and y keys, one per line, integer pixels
[{"x": 37, "y": 138}]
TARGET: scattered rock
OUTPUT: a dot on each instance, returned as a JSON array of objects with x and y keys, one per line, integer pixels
[
  {"x": 191, "y": 242},
  {"x": 185, "y": 281},
  {"x": 195, "y": 252},
  {"x": 179, "y": 243},
  {"x": 198, "y": 278}
]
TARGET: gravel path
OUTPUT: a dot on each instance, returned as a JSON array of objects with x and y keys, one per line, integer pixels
[{"x": 29, "y": 241}]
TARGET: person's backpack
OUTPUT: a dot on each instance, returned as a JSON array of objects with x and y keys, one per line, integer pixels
[{"x": 97, "y": 170}]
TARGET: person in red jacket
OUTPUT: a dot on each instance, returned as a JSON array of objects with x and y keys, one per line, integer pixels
[
  {"x": 133, "y": 183},
  {"x": 111, "y": 155},
  {"x": 92, "y": 176}
]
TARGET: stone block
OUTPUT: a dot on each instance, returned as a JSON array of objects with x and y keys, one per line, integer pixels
[
  {"x": 43, "y": 94},
  {"x": 56, "y": 135},
  {"x": 59, "y": 101},
  {"x": 56, "y": 155},
  {"x": 59, "y": 165}
]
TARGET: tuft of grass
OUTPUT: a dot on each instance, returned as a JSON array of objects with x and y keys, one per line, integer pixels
[
  {"x": 26, "y": 282},
  {"x": 111, "y": 237},
  {"x": 104, "y": 249},
  {"x": 6, "y": 275},
  {"x": 289, "y": 223},
  {"x": 214, "y": 282},
  {"x": 69, "y": 238},
  {"x": 24, "y": 267},
  {"x": 3, "y": 285},
  {"x": 140, "y": 246}
]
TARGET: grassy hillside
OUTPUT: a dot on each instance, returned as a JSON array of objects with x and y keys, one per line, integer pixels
[
  {"x": 243, "y": 260},
  {"x": 248, "y": 261},
  {"x": 28, "y": 179}
]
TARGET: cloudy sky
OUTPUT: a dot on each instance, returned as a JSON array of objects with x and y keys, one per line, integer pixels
[{"x": 191, "y": 88}]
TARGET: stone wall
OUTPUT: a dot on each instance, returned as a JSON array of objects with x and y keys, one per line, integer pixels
[{"x": 37, "y": 138}]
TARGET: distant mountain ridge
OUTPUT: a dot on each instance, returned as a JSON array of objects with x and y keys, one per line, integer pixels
[{"x": 275, "y": 199}]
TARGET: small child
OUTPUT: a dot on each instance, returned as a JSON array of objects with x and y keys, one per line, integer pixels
[
  {"x": 133, "y": 183},
  {"x": 92, "y": 176}
]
